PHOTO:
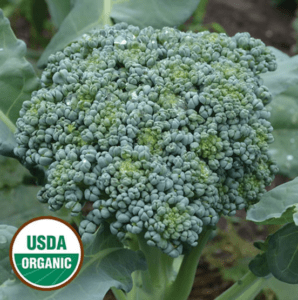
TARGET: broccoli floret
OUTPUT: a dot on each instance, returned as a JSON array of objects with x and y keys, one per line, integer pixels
[{"x": 163, "y": 131}]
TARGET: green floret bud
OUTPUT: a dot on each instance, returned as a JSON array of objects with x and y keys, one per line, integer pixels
[
  {"x": 127, "y": 168},
  {"x": 250, "y": 188},
  {"x": 208, "y": 146},
  {"x": 151, "y": 138}
]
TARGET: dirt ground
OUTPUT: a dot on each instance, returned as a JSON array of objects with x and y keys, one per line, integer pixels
[{"x": 273, "y": 25}]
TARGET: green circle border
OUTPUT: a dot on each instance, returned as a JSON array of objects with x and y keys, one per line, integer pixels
[{"x": 16, "y": 270}]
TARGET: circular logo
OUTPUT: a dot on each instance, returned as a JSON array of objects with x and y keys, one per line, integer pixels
[{"x": 46, "y": 253}]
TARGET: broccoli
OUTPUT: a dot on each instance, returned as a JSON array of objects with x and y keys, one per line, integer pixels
[{"x": 162, "y": 131}]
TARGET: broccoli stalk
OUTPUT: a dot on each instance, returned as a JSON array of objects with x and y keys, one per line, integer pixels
[
  {"x": 166, "y": 278},
  {"x": 172, "y": 278}
]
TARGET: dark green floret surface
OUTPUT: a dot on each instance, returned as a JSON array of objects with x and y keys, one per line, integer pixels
[{"x": 163, "y": 131}]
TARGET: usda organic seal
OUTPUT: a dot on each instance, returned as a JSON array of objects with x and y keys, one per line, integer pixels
[{"x": 46, "y": 253}]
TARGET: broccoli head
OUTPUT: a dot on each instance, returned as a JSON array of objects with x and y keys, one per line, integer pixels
[{"x": 162, "y": 131}]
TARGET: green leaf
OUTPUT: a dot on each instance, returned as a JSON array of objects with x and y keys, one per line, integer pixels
[
  {"x": 277, "y": 206},
  {"x": 58, "y": 10},
  {"x": 282, "y": 290},
  {"x": 5, "y": 271},
  {"x": 7, "y": 139},
  {"x": 17, "y": 81},
  {"x": 20, "y": 204},
  {"x": 261, "y": 245},
  {"x": 155, "y": 13},
  {"x": 217, "y": 28},
  {"x": 283, "y": 84},
  {"x": 200, "y": 12},
  {"x": 9, "y": 6},
  {"x": 84, "y": 16},
  {"x": 282, "y": 254},
  {"x": 284, "y": 119},
  {"x": 18, "y": 200},
  {"x": 285, "y": 75},
  {"x": 284, "y": 152},
  {"x": 102, "y": 240},
  {"x": 17, "y": 77},
  {"x": 12, "y": 173},
  {"x": 106, "y": 264},
  {"x": 35, "y": 11},
  {"x": 259, "y": 265},
  {"x": 6, "y": 234}
]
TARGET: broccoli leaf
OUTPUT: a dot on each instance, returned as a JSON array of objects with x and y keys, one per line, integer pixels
[
  {"x": 259, "y": 265},
  {"x": 35, "y": 12},
  {"x": 7, "y": 139},
  {"x": 282, "y": 255},
  {"x": 284, "y": 119},
  {"x": 283, "y": 85},
  {"x": 59, "y": 10},
  {"x": 278, "y": 206},
  {"x": 153, "y": 13},
  {"x": 83, "y": 16},
  {"x": 282, "y": 290},
  {"x": 286, "y": 74},
  {"x": 19, "y": 205},
  {"x": 5, "y": 271},
  {"x": 17, "y": 81},
  {"x": 6, "y": 234},
  {"x": 106, "y": 264},
  {"x": 18, "y": 202},
  {"x": 17, "y": 77},
  {"x": 12, "y": 173}
]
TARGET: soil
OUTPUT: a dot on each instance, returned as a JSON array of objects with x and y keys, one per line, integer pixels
[{"x": 273, "y": 25}]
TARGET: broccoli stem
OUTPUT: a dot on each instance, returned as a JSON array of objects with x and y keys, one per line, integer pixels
[
  {"x": 119, "y": 294},
  {"x": 7, "y": 122},
  {"x": 107, "y": 8},
  {"x": 161, "y": 281},
  {"x": 181, "y": 287},
  {"x": 152, "y": 284},
  {"x": 246, "y": 288}
]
